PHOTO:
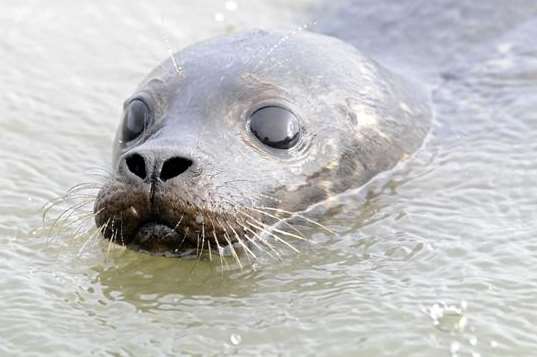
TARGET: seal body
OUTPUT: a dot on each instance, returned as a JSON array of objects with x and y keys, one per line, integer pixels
[{"x": 197, "y": 173}]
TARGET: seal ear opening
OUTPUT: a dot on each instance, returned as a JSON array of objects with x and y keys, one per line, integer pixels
[{"x": 174, "y": 167}]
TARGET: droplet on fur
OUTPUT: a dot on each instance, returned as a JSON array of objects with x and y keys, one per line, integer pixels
[{"x": 134, "y": 211}]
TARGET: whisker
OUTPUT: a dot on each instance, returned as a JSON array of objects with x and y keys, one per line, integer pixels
[
  {"x": 202, "y": 236},
  {"x": 274, "y": 236},
  {"x": 83, "y": 186},
  {"x": 220, "y": 251},
  {"x": 279, "y": 220},
  {"x": 179, "y": 222},
  {"x": 90, "y": 238},
  {"x": 233, "y": 252},
  {"x": 121, "y": 234},
  {"x": 112, "y": 239},
  {"x": 67, "y": 213},
  {"x": 217, "y": 244},
  {"x": 197, "y": 244},
  {"x": 242, "y": 243},
  {"x": 226, "y": 237},
  {"x": 280, "y": 42},
  {"x": 272, "y": 228},
  {"x": 300, "y": 216},
  {"x": 81, "y": 217},
  {"x": 277, "y": 200},
  {"x": 252, "y": 241},
  {"x": 53, "y": 230},
  {"x": 264, "y": 241}
]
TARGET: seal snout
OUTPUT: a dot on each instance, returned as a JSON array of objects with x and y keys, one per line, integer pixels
[
  {"x": 132, "y": 211},
  {"x": 150, "y": 166}
]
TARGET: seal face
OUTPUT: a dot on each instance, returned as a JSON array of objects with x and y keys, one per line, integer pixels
[{"x": 229, "y": 132}]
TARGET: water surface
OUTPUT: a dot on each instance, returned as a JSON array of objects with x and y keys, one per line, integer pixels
[{"x": 434, "y": 258}]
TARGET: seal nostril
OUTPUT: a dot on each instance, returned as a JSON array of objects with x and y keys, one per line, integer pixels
[
  {"x": 136, "y": 165},
  {"x": 174, "y": 167}
]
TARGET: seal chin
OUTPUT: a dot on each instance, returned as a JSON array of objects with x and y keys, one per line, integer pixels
[{"x": 157, "y": 238}]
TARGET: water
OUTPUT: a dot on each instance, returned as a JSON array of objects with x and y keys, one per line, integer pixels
[{"x": 436, "y": 258}]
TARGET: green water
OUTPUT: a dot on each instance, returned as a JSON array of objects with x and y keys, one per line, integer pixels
[{"x": 435, "y": 259}]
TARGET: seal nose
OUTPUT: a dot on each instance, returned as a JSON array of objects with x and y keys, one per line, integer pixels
[
  {"x": 172, "y": 167},
  {"x": 136, "y": 164}
]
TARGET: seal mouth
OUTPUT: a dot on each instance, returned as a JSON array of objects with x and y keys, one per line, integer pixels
[
  {"x": 163, "y": 231},
  {"x": 157, "y": 237},
  {"x": 166, "y": 223}
]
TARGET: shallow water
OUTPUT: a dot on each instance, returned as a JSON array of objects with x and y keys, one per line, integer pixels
[{"x": 434, "y": 258}]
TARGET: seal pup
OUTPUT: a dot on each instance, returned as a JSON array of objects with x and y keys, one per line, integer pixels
[{"x": 228, "y": 134}]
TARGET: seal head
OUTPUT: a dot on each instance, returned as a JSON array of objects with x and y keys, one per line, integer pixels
[{"x": 229, "y": 132}]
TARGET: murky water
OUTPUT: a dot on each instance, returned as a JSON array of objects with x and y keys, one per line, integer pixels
[{"x": 436, "y": 258}]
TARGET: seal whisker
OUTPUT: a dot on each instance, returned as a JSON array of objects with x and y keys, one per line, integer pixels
[
  {"x": 226, "y": 237},
  {"x": 300, "y": 216},
  {"x": 280, "y": 42},
  {"x": 70, "y": 209},
  {"x": 279, "y": 220},
  {"x": 209, "y": 247},
  {"x": 271, "y": 227},
  {"x": 182, "y": 241},
  {"x": 93, "y": 236},
  {"x": 217, "y": 243},
  {"x": 69, "y": 196},
  {"x": 268, "y": 231},
  {"x": 277, "y": 200},
  {"x": 248, "y": 251},
  {"x": 100, "y": 172},
  {"x": 80, "y": 231},
  {"x": 82, "y": 186},
  {"x": 121, "y": 234},
  {"x": 264, "y": 241},
  {"x": 179, "y": 222},
  {"x": 220, "y": 252},
  {"x": 103, "y": 170},
  {"x": 112, "y": 239},
  {"x": 86, "y": 200},
  {"x": 65, "y": 222},
  {"x": 77, "y": 196},
  {"x": 202, "y": 231},
  {"x": 198, "y": 244},
  {"x": 202, "y": 238},
  {"x": 68, "y": 212},
  {"x": 261, "y": 249},
  {"x": 233, "y": 251},
  {"x": 87, "y": 241},
  {"x": 71, "y": 222}
]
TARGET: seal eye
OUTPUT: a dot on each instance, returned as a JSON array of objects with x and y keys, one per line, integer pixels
[
  {"x": 275, "y": 126},
  {"x": 136, "y": 119}
]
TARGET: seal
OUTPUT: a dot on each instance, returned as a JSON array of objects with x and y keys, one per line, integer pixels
[{"x": 228, "y": 134}]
